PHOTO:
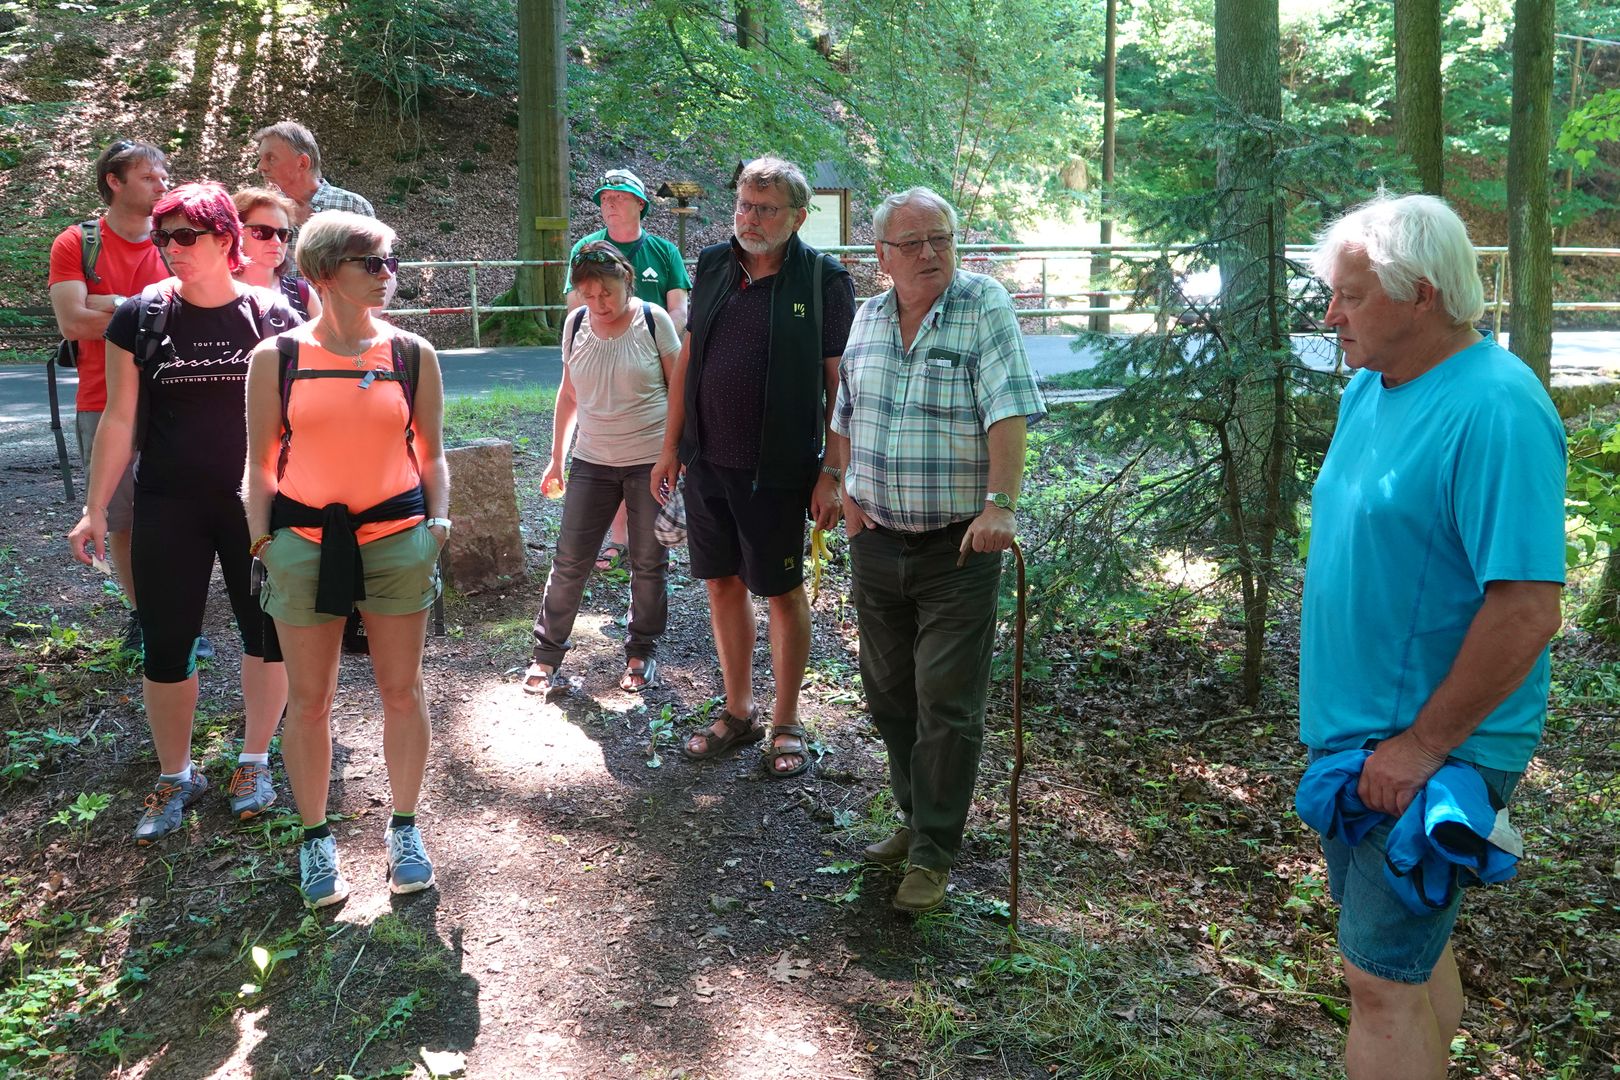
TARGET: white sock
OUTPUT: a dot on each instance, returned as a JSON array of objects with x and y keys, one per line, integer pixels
[
  {"x": 253, "y": 759},
  {"x": 181, "y": 777}
]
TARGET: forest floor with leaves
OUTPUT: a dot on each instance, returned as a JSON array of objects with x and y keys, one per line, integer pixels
[{"x": 606, "y": 908}]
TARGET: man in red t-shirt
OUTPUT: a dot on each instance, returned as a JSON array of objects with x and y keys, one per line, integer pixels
[{"x": 131, "y": 176}]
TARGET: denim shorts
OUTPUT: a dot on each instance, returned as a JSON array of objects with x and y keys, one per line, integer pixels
[
  {"x": 1377, "y": 933},
  {"x": 402, "y": 576}
]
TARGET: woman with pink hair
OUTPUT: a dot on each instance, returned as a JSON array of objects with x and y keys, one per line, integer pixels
[{"x": 177, "y": 361}]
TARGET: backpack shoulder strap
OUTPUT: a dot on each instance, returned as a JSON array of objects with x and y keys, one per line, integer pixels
[
  {"x": 573, "y": 327},
  {"x": 406, "y": 350},
  {"x": 816, "y": 290},
  {"x": 652, "y": 327},
  {"x": 287, "y": 357},
  {"x": 271, "y": 321},
  {"x": 90, "y": 249},
  {"x": 151, "y": 325}
]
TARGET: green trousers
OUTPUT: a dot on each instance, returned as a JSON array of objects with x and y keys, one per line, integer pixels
[{"x": 927, "y": 630}]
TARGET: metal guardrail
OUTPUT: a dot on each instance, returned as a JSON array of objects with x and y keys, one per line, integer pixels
[{"x": 991, "y": 254}]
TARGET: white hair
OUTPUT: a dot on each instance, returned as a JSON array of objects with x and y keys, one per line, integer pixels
[
  {"x": 927, "y": 196},
  {"x": 1407, "y": 239}
]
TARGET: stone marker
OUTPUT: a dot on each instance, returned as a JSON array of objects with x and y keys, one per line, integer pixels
[{"x": 485, "y": 545}]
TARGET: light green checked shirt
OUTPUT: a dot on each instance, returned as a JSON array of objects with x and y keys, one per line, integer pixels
[{"x": 916, "y": 419}]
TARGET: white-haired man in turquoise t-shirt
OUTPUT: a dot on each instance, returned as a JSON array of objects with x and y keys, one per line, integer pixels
[{"x": 1431, "y": 590}]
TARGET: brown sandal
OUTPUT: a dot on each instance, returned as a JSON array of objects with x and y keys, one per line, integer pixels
[
  {"x": 772, "y": 752},
  {"x": 740, "y": 731}
]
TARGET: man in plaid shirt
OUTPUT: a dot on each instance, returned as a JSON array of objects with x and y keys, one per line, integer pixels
[
  {"x": 935, "y": 393},
  {"x": 290, "y": 159}
]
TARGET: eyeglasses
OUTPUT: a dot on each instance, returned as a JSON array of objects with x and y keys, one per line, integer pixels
[
  {"x": 910, "y": 248},
  {"x": 766, "y": 211},
  {"x": 614, "y": 176},
  {"x": 374, "y": 263},
  {"x": 265, "y": 232},
  {"x": 183, "y": 237}
]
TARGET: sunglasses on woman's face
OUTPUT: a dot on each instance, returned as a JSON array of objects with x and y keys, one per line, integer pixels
[
  {"x": 265, "y": 232},
  {"x": 600, "y": 257},
  {"x": 374, "y": 263},
  {"x": 183, "y": 237}
]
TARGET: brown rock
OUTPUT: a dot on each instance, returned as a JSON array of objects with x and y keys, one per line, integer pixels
[{"x": 485, "y": 546}]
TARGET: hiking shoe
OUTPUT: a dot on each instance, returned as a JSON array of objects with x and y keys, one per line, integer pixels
[
  {"x": 318, "y": 877},
  {"x": 202, "y": 648},
  {"x": 922, "y": 890},
  {"x": 251, "y": 791},
  {"x": 891, "y": 852},
  {"x": 166, "y": 806},
  {"x": 133, "y": 639},
  {"x": 408, "y": 867}
]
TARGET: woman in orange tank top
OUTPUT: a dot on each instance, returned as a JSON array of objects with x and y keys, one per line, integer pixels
[{"x": 347, "y": 492}]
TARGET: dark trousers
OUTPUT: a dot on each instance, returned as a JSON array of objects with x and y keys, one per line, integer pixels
[
  {"x": 927, "y": 631},
  {"x": 593, "y": 497},
  {"x": 175, "y": 541}
]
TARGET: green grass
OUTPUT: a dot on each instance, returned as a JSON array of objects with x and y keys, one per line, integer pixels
[
  {"x": 511, "y": 414},
  {"x": 1078, "y": 1008}
]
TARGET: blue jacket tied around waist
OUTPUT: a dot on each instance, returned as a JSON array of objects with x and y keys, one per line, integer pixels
[{"x": 1452, "y": 831}]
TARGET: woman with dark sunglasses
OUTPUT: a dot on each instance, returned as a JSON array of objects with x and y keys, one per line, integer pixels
[
  {"x": 267, "y": 248},
  {"x": 619, "y": 352},
  {"x": 174, "y": 398},
  {"x": 347, "y": 492}
]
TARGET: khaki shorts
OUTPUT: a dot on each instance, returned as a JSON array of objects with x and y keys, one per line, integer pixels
[
  {"x": 121, "y": 508},
  {"x": 402, "y": 576}
]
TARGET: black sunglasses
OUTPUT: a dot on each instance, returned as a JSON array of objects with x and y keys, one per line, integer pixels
[
  {"x": 183, "y": 237},
  {"x": 374, "y": 263},
  {"x": 594, "y": 257},
  {"x": 265, "y": 232}
]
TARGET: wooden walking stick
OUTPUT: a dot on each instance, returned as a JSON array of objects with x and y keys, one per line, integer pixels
[{"x": 1018, "y": 743}]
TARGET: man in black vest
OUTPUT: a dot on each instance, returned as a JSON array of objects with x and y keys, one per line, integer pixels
[{"x": 748, "y": 411}]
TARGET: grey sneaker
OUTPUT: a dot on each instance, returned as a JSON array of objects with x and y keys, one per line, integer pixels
[
  {"x": 132, "y": 639},
  {"x": 408, "y": 867},
  {"x": 251, "y": 792},
  {"x": 166, "y": 806},
  {"x": 318, "y": 877},
  {"x": 202, "y": 648}
]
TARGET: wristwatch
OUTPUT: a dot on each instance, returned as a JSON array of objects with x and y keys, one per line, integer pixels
[
  {"x": 999, "y": 499},
  {"x": 430, "y": 522}
]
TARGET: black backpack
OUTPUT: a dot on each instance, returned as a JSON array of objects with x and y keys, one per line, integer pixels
[
  {"x": 67, "y": 353},
  {"x": 152, "y": 341},
  {"x": 406, "y": 350}
]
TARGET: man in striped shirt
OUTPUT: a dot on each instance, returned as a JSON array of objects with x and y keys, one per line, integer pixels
[{"x": 935, "y": 395}]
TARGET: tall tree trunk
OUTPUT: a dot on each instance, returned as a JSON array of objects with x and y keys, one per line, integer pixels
[
  {"x": 1528, "y": 184},
  {"x": 1101, "y": 266},
  {"x": 1419, "y": 120},
  {"x": 542, "y": 151},
  {"x": 751, "y": 31},
  {"x": 1249, "y": 228}
]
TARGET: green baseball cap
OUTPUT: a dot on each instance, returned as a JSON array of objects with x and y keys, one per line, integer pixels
[{"x": 626, "y": 181}]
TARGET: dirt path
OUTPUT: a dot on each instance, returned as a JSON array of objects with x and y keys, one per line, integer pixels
[
  {"x": 599, "y": 917},
  {"x": 594, "y": 915}
]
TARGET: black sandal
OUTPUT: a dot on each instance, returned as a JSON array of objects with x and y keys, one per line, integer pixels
[
  {"x": 770, "y": 753},
  {"x": 537, "y": 680},
  {"x": 740, "y": 731},
  {"x": 647, "y": 673}
]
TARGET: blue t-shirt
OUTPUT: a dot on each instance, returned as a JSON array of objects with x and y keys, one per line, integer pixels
[{"x": 1430, "y": 490}]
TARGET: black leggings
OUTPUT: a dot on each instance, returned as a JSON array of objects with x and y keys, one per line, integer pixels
[{"x": 174, "y": 543}]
